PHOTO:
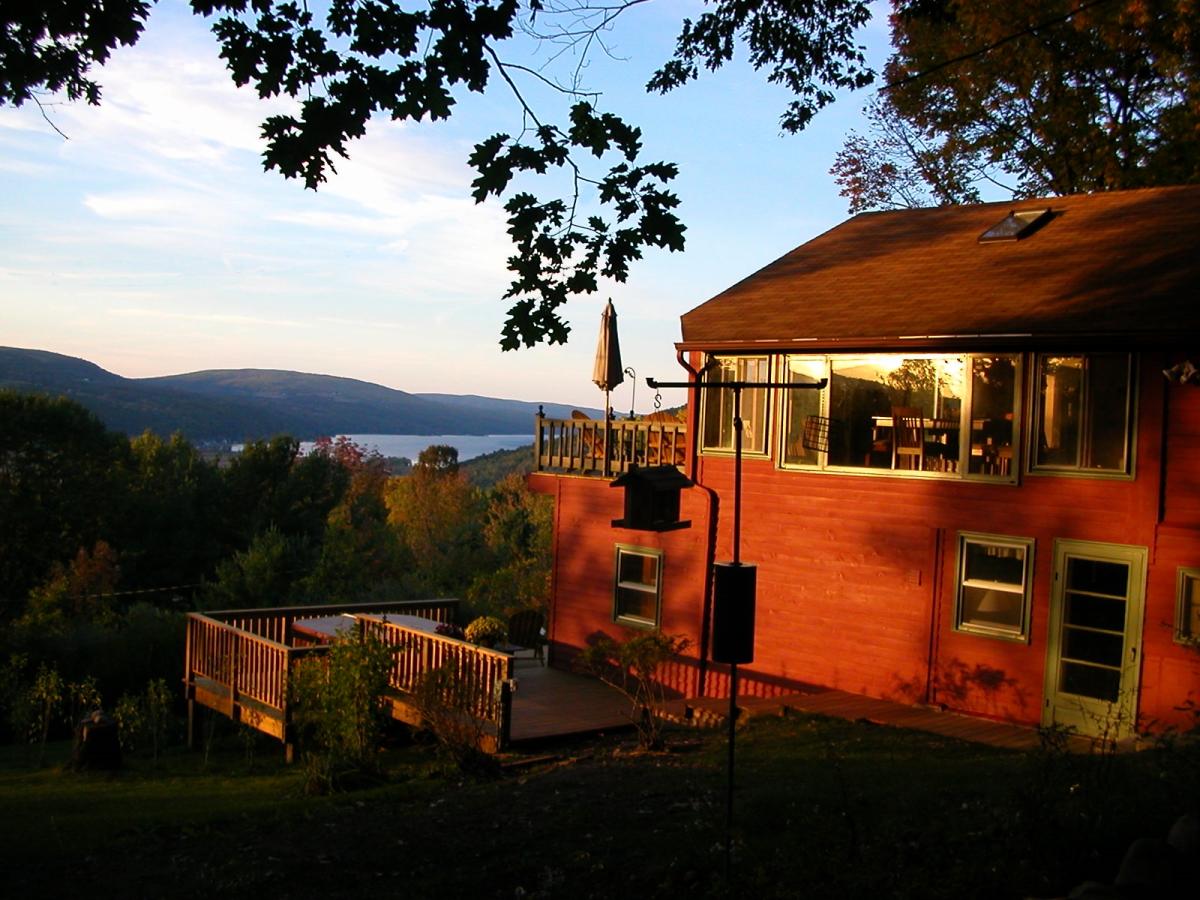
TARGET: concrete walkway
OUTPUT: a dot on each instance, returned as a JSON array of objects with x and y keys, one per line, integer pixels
[{"x": 855, "y": 707}]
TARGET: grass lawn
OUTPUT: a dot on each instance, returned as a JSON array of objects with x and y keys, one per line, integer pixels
[{"x": 824, "y": 808}]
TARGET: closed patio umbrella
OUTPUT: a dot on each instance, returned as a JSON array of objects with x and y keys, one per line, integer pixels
[{"x": 608, "y": 372}]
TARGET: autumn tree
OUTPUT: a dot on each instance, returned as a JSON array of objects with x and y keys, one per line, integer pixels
[
  {"x": 360, "y": 551},
  {"x": 170, "y": 532},
  {"x": 1037, "y": 97},
  {"x": 355, "y": 60},
  {"x": 81, "y": 591},
  {"x": 436, "y": 513},
  {"x": 517, "y": 532},
  {"x": 60, "y": 471},
  {"x": 271, "y": 484}
]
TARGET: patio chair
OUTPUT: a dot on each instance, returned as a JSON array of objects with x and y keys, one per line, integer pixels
[
  {"x": 525, "y": 630},
  {"x": 908, "y": 437}
]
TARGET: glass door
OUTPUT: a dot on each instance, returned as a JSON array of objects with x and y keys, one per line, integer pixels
[{"x": 1094, "y": 646}]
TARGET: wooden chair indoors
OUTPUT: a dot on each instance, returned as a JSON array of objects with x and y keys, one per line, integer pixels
[
  {"x": 908, "y": 438},
  {"x": 525, "y": 631}
]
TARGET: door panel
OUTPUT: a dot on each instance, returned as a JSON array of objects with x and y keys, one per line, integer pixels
[{"x": 1094, "y": 643}]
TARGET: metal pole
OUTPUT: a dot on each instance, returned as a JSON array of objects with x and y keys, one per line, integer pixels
[
  {"x": 736, "y": 387},
  {"x": 733, "y": 669},
  {"x": 737, "y": 475}
]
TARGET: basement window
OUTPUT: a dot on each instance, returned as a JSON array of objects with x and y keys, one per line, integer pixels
[
  {"x": 1187, "y": 607},
  {"x": 992, "y": 597},
  {"x": 1016, "y": 225},
  {"x": 637, "y": 588}
]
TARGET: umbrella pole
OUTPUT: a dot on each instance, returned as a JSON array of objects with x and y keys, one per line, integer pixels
[{"x": 607, "y": 438}]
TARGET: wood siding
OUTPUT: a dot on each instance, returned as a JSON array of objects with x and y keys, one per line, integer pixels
[{"x": 856, "y": 573}]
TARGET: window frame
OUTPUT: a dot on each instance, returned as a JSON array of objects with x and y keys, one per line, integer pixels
[
  {"x": 977, "y": 629},
  {"x": 784, "y": 408},
  {"x": 1181, "y": 631},
  {"x": 623, "y": 618},
  {"x": 762, "y": 452},
  {"x": 1077, "y": 470},
  {"x": 966, "y": 416}
]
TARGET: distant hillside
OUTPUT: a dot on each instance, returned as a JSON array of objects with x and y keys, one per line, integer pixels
[
  {"x": 486, "y": 470},
  {"x": 241, "y": 404}
]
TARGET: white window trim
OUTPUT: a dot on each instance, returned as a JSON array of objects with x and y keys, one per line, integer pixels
[
  {"x": 623, "y": 618},
  {"x": 1185, "y": 574},
  {"x": 783, "y": 408},
  {"x": 768, "y": 413},
  {"x": 1032, "y": 467},
  {"x": 994, "y": 540}
]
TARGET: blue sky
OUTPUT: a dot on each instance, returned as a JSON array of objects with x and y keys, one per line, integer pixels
[{"x": 151, "y": 241}]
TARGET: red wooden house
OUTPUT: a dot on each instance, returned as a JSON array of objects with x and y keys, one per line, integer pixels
[{"x": 994, "y": 503}]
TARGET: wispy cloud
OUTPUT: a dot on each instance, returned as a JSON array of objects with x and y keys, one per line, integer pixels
[{"x": 219, "y": 318}]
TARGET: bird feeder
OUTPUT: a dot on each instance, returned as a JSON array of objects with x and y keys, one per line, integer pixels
[{"x": 652, "y": 498}]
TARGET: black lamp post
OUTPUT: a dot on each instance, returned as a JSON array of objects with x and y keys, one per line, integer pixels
[{"x": 633, "y": 390}]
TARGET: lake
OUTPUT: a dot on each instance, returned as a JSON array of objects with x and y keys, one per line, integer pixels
[{"x": 410, "y": 445}]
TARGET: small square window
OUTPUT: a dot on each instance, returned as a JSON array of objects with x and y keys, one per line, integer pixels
[
  {"x": 992, "y": 596},
  {"x": 1187, "y": 607},
  {"x": 637, "y": 587}
]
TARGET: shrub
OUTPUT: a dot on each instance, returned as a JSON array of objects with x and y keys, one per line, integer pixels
[
  {"x": 445, "y": 699},
  {"x": 339, "y": 711},
  {"x": 487, "y": 631},
  {"x": 130, "y": 721},
  {"x": 632, "y": 668}
]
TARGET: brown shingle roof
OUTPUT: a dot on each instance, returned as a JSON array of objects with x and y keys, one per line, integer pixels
[{"x": 1120, "y": 267}]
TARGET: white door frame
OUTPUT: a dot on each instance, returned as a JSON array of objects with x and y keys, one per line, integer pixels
[{"x": 1091, "y": 715}]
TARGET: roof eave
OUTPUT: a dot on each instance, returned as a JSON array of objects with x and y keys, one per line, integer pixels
[{"x": 942, "y": 342}]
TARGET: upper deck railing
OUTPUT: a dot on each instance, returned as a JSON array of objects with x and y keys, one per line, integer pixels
[{"x": 584, "y": 446}]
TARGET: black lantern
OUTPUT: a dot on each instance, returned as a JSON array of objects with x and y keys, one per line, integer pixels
[{"x": 652, "y": 498}]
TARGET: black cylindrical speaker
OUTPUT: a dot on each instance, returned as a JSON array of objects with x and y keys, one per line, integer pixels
[{"x": 734, "y": 586}]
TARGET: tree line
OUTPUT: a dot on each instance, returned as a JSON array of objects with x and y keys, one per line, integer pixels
[{"x": 107, "y": 541}]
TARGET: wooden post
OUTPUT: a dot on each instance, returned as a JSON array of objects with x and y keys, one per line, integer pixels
[
  {"x": 234, "y": 646},
  {"x": 188, "y": 690},
  {"x": 191, "y": 724},
  {"x": 504, "y": 731}
]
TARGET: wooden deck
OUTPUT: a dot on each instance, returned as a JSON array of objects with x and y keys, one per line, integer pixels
[
  {"x": 604, "y": 449},
  {"x": 854, "y": 707},
  {"x": 552, "y": 703}
]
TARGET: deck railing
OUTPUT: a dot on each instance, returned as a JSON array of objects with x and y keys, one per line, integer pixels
[
  {"x": 276, "y": 623},
  {"x": 482, "y": 677},
  {"x": 239, "y": 662},
  {"x": 580, "y": 446}
]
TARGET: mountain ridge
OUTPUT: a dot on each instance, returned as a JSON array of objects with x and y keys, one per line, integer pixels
[{"x": 247, "y": 404}]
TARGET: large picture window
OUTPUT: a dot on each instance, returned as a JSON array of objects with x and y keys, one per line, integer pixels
[
  {"x": 992, "y": 582},
  {"x": 1083, "y": 413},
  {"x": 637, "y": 589},
  {"x": 942, "y": 415},
  {"x": 718, "y": 404}
]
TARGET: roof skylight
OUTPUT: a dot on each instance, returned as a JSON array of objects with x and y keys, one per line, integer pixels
[{"x": 1016, "y": 225}]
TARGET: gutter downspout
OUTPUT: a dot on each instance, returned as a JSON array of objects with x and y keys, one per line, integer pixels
[{"x": 714, "y": 506}]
